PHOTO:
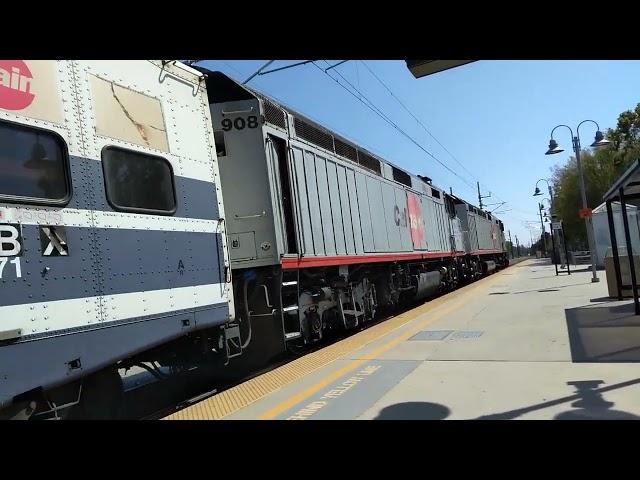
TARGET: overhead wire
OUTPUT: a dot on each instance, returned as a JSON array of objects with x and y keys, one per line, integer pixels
[
  {"x": 369, "y": 104},
  {"x": 424, "y": 127}
]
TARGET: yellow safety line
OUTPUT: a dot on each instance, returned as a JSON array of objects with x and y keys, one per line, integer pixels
[
  {"x": 299, "y": 397},
  {"x": 228, "y": 401}
]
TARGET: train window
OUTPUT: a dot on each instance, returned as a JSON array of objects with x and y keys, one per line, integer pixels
[
  {"x": 435, "y": 193},
  {"x": 401, "y": 177},
  {"x": 345, "y": 150},
  {"x": 221, "y": 148},
  {"x": 138, "y": 182},
  {"x": 452, "y": 207},
  {"x": 367, "y": 161},
  {"x": 313, "y": 134},
  {"x": 34, "y": 166},
  {"x": 274, "y": 114}
]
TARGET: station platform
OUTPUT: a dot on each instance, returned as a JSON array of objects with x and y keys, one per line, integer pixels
[{"x": 522, "y": 343}]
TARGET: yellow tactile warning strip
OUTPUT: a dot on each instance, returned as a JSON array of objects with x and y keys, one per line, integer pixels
[{"x": 233, "y": 399}]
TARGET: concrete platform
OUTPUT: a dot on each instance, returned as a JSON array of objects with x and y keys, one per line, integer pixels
[{"x": 520, "y": 344}]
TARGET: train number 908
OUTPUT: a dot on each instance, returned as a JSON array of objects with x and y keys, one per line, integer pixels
[{"x": 240, "y": 123}]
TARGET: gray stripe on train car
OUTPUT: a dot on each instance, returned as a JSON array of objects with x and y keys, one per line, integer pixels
[
  {"x": 195, "y": 198},
  {"x": 110, "y": 261},
  {"x": 22, "y": 364}
]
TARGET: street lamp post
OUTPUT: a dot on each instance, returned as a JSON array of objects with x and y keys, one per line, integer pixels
[
  {"x": 544, "y": 240},
  {"x": 553, "y": 149},
  {"x": 553, "y": 243},
  {"x": 541, "y": 208},
  {"x": 562, "y": 252},
  {"x": 538, "y": 192}
]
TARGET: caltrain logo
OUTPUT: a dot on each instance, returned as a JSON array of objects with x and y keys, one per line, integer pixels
[
  {"x": 400, "y": 218},
  {"x": 415, "y": 221},
  {"x": 15, "y": 85}
]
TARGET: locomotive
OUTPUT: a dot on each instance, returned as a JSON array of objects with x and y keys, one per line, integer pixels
[
  {"x": 322, "y": 233},
  {"x": 156, "y": 214}
]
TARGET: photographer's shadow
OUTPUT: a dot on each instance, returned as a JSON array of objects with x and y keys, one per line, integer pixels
[{"x": 414, "y": 411}]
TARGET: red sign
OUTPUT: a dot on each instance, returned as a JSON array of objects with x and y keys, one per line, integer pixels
[
  {"x": 415, "y": 222},
  {"x": 494, "y": 237},
  {"x": 15, "y": 85},
  {"x": 584, "y": 213}
]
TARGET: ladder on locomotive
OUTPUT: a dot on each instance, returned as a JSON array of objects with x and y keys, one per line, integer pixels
[
  {"x": 351, "y": 317},
  {"x": 290, "y": 294}
]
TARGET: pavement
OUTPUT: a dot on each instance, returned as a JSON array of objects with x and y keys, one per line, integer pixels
[{"x": 520, "y": 344}]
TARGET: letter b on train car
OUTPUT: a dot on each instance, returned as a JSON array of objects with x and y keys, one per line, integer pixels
[{"x": 10, "y": 240}]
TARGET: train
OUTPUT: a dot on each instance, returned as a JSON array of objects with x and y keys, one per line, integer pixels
[{"x": 159, "y": 214}]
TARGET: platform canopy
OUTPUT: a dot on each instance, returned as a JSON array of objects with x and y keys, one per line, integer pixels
[
  {"x": 627, "y": 187},
  {"x": 422, "y": 68},
  {"x": 629, "y": 182}
]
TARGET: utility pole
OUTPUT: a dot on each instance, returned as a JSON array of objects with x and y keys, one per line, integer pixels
[
  {"x": 451, "y": 191},
  {"x": 518, "y": 245},
  {"x": 480, "y": 196},
  {"x": 511, "y": 243}
]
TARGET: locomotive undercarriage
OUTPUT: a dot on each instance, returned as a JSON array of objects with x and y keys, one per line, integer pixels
[{"x": 297, "y": 308}]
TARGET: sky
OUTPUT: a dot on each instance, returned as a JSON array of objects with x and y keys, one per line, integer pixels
[{"x": 488, "y": 121}]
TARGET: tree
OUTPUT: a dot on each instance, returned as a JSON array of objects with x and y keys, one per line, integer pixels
[
  {"x": 601, "y": 169},
  {"x": 625, "y": 136},
  {"x": 539, "y": 246}
]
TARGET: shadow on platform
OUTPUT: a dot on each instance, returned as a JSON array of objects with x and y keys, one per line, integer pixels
[
  {"x": 592, "y": 405},
  {"x": 414, "y": 411},
  {"x": 542, "y": 290},
  {"x": 604, "y": 332},
  {"x": 588, "y": 403}
]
